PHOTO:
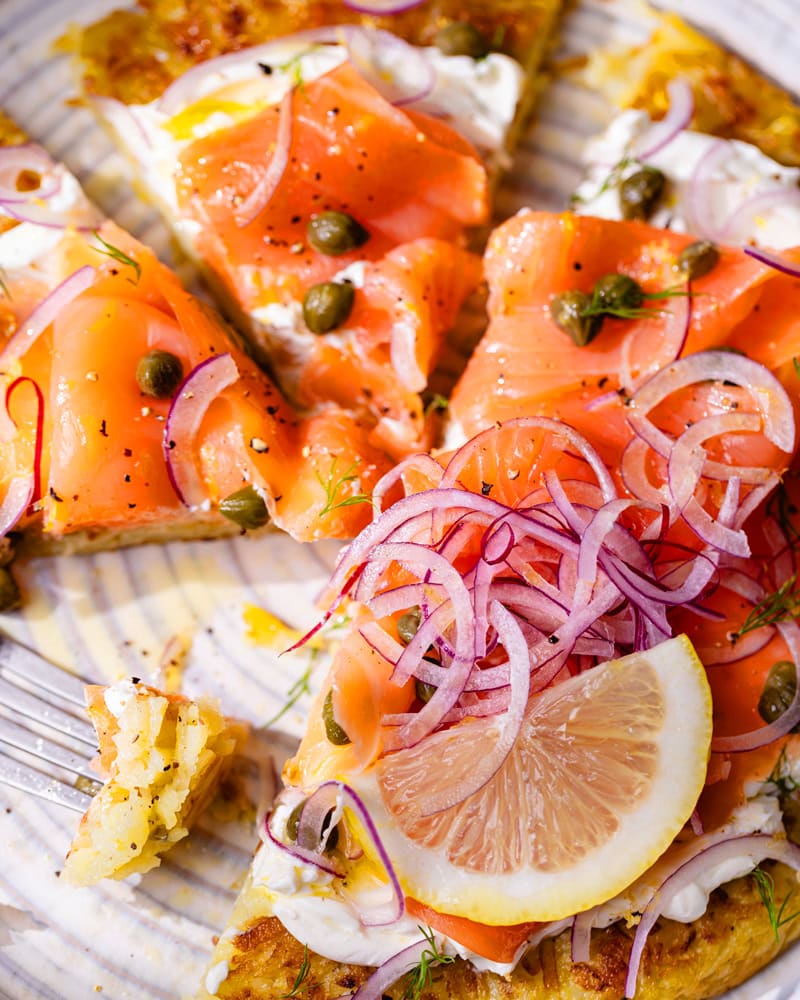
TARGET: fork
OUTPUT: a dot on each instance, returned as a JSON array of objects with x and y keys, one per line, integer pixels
[{"x": 46, "y": 740}]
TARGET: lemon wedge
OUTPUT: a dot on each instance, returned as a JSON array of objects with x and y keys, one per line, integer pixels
[{"x": 606, "y": 770}]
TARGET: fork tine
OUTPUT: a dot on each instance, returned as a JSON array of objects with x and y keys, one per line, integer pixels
[
  {"x": 28, "y": 779},
  {"x": 18, "y": 659},
  {"x": 44, "y": 748},
  {"x": 39, "y": 711}
]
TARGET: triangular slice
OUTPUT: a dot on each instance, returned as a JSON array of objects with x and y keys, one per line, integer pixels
[
  {"x": 131, "y": 411},
  {"x": 339, "y": 125}
]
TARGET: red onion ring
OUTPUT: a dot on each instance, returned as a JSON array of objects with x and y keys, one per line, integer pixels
[
  {"x": 745, "y": 213},
  {"x": 27, "y": 156},
  {"x": 366, "y": 46},
  {"x": 20, "y": 493},
  {"x": 190, "y": 404},
  {"x": 422, "y": 463},
  {"x": 699, "y": 193},
  {"x": 46, "y": 312},
  {"x": 678, "y": 117},
  {"x": 792, "y": 268},
  {"x": 510, "y": 723},
  {"x": 718, "y": 366},
  {"x": 378, "y": 7},
  {"x": 299, "y": 853},
  {"x": 393, "y": 969},
  {"x": 35, "y": 477},
  {"x": 755, "y": 847},
  {"x": 258, "y": 199}
]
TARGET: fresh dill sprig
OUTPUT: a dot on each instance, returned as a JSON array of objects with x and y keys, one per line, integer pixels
[
  {"x": 332, "y": 485},
  {"x": 612, "y": 180},
  {"x": 420, "y": 977},
  {"x": 779, "y": 606},
  {"x": 766, "y": 890},
  {"x": 294, "y": 67},
  {"x": 3, "y": 285},
  {"x": 436, "y": 404},
  {"x": 796, "y": 363},
  {"x": 300, "y": 687},
  {"x": 120, "y": 257},
  {"x": 597, "y": 307},
  {"x": 785, "y": 783},
  {"x": 305, "y": 968}
]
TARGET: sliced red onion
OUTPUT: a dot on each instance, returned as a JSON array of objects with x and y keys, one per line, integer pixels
[
  {"x": 557, "y": 428},
  {"x": 379, "y": 55},
  {"x": 28, "y": 156},
  {"x": 677, "y": 118},
  {"x": 700, "y": 191},
  {"x": 718, "y": 366},
  {"x": 46, "y": 312},
  {"x": 696, "y": 823},
  {"x": 581, "y": 934},
  {"x": 258, "y": 199},
  {"x": 790, "y": 267},
  {"x": 315, "y": 826},
  {"x": 421, "y": 463},
  {"x": 497, "y": 749},
  {"x": 191, "y": 402},
  {"x": 755, "y": 847},
  {"x": 353, "y": 801},
  {"x": 34, "y": 478},
  {"x": 742, "y": 218},
  {"x": 382, "y": 6},
  {"x": 784, "y": 724},
  {"x": 20, "y": 493},
  {"x": 393, "y": 969},
  {"x": 726, "y": 540},
  {"x": 299, "y": 853}
]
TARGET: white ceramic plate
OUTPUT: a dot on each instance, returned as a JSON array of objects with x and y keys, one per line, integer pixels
[{"x": 113, "y": 615}]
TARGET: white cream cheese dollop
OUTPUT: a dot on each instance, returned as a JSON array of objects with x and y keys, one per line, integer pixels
[
  {"x": 118, "y": 696},
  {"x": 308, "y": 903},
  {"x": 741, "y": 174}
]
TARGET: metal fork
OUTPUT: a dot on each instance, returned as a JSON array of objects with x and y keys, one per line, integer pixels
[{"x": 46, "y": 740}]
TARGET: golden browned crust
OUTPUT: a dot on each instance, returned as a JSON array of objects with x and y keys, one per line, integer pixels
[
  {"x": 133, "y": 55},
  {"x": 10, "y": 133},
  {"x": 731, "y": 942},
  {"x": 732, "y": 100}
]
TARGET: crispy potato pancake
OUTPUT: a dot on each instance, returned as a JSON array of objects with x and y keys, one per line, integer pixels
[
  {"x": 162, "y": 757},
  {"x": 729, "y": 943},
  {"x": 732, "y": 100},
  {"x": 133, "y": 55}
]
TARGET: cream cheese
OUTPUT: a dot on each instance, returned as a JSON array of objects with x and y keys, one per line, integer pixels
[
  {"x": 27, "y": 244},
  {"x": 741, "y": 174}
]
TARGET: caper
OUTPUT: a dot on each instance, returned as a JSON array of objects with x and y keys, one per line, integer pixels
[
  {"x": 567, "y": 310},
  {"x": 779, "y": 691},
  {"x": 639, "y": 193},
  {"x": 335, "y": 233},
  {"x": 10, "y": 598},
  {"x": 327, "y": 305},
  {"x": 159, "y": 373},
  {"x": 459, "y": 38},
  {"x": 615, "y": 292},
  {"x": 333, "y": 730},
  {"x": 408, "y": 624},
  {"x": 697, "y": 259},
  {"x": 293, "y": 821},
  {"x": 246, "y": 508},
  {"x": 424, "y": 691},
  {"x": 293, "y": 825}
]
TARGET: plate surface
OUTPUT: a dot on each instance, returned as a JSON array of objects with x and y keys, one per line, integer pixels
[{"x": 115, "y": 614}]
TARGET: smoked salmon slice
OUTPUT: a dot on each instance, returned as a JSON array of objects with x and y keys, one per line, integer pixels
[{"x": 526, "y": 365}]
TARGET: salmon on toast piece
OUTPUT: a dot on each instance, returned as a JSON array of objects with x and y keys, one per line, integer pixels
[{"x": 131, "y": 412}]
